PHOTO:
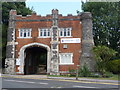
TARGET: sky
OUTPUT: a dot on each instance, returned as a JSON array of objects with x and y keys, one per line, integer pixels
[{"x": 43, "y": 7}]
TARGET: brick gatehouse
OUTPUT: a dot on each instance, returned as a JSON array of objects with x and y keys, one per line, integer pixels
[{"x": 48, "y": 44}]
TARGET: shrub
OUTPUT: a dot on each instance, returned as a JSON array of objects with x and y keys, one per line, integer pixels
[
  {"x": 96, "y": 75},
  {"x": 102, "y": 55},
  {"x": 108, "y": 74},
  {"x": 84, "y": 71},
  {"x": 114, "y": 66},
  {"x": 71, "y": 72}
]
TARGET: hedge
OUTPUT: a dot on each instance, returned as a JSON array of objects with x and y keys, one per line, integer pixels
[{"x": 114, "y": 66}]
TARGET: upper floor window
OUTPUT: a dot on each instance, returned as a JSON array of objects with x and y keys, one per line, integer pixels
[
  {"x": 25, "y": 33},
  {"x": 65, "y": 32},
  {"x": 44, "y": 32}
]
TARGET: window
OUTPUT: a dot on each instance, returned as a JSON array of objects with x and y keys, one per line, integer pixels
[
  {"x": 44, "y": 32},
  {"x": 65, "y": 32},
  {"x": 66, "y": 58},
  {"x": 25, "y": 33},
  {"x": 65, "y": 46},
  {"x": 61, "y": 33}
]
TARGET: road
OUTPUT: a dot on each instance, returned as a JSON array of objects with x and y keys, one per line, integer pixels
[{"x": 50, "y": 83}]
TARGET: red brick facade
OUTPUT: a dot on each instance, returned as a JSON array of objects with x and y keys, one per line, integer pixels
[
  {"x": 76, "y": 32},
  {"x": 48, "y": 44}
]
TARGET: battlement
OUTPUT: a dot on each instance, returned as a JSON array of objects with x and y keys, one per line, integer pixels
[
  {"x": 13, "y": 12},
  {"x": 34, "y": 16}
]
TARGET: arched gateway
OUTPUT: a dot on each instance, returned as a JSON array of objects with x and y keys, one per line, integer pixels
[{"x": 25, "y": 58}]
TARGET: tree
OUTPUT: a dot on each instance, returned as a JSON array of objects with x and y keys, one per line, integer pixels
[
  {"x": 103, "y": 55},
  {"x": 21, "y": 9},
  {"x": 106, "y": 22}
]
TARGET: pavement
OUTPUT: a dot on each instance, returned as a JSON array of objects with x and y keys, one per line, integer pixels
[{"x": 59, "y": 78}]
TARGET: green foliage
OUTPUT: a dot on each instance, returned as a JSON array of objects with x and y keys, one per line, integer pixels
[
  {"x": 106, "y": 28},
  {"x": 103, "y": 55},
  {"x": 114, "y": 66},
  {"x": 95, "y": 75},
  {"x": 84, "y": 71},
  {"x": 21, "y": 9},
  {"x": 71, "y": 72},
  {"x": 107, "y": 74},
  {"x": 0, "y": 46}
]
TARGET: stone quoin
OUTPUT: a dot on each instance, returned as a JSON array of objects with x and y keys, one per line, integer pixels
[{"x": 50, "y": 44}]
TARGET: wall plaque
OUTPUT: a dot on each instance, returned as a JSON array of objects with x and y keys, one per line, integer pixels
[{"x": 71, "y": 40}]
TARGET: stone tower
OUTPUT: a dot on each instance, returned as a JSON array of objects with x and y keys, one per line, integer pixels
[
  {"x": 54, "y": 43},
  {"x": 10, "y": 49},
  {"x": 87, "y": 41}
]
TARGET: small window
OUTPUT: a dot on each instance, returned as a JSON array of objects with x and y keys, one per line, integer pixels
[
  {"x": 65, "y": 32},
  {"x": 68, "y": 32},
  {"x": 41, "y": 32},
  {"x": 20, "y": 33},
  {"x": 24, "y": 33},
  {"x": 44, "y": 32},
  {"x": 66, "y": 58},
  {"x": 61, "y": 33},
  {"x": 48, "y": 32},
  {"x": 28, "y": 33},
  {"x": 65, "y": 46}
]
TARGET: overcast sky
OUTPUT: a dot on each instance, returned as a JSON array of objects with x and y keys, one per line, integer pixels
[{"x": 43, "y": 7}]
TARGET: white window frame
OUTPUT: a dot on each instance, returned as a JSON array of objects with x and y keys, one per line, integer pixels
[
  {"x": 23, "y": 31},
  {"x": 68, "y": 30},
  {"x": 41, "y": 32},
  {"x": 66, "y": 54}
]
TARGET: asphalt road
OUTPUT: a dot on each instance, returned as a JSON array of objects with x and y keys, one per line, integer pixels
[{"x": 47, "y": 83}]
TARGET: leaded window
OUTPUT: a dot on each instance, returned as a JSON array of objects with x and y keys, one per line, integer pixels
[
  {"x": 65, "y": 32},
  {"x": 44, "y": 32},
  {"x": 25, "y": 33}
]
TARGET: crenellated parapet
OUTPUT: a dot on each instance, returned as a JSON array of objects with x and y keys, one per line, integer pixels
[{"x": 34, "y": 17}]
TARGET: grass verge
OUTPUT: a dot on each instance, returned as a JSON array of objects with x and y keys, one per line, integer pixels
[{"x": 114, "y": 77}]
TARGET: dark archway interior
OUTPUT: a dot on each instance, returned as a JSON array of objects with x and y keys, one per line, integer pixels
[{"x": 35, "y": 60}]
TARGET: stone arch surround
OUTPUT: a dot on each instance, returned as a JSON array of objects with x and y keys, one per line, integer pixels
[{"x": 22, "y": 56}]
